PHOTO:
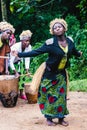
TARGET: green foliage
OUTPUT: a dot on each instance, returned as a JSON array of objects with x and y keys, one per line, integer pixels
[
  {"x": 77, "y": 68},
  {"x": 83, "y": 9},
  {"x": 35, "y": 15},
  {"x": 78, "y": 85},
  {"x": 73, "y": 25}
]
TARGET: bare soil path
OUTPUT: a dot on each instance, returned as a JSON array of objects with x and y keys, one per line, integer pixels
[{"x": 28, "y": 116}]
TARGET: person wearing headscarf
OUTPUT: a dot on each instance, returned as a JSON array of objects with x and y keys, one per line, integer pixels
[
  {"x": 20, "y": 66},
  {"x": 52, "y": 91},
  {"x": 6, "y": 30}
]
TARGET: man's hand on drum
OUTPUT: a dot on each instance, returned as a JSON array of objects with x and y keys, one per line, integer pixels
[{"x": 14, "y": 53}]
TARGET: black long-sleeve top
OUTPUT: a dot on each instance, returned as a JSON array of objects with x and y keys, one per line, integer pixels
[{"x": 55, "y": 54}]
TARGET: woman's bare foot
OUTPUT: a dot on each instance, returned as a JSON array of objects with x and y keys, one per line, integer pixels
[
  {"x": 50, "y": 123},
  {"x": 67, "y": 98},
  {"x": 62, "y": 122}
]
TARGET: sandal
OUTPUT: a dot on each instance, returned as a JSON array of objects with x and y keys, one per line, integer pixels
[{"x": 23, "y": 97}]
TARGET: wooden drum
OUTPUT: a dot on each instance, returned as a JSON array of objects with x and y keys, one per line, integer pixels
[
  {"x": 8, "y": 90},
  {"x": 32, "y": 98},
  {"x": 8, "y": 83}
]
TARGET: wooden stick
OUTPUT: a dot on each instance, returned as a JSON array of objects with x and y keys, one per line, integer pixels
[
  {"x": 26, "y": 75},
  {"x": 5, "y": 57}
]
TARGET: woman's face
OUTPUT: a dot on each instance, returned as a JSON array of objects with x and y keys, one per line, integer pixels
[
  {"x": 6, "y": 35},
  {"x": 58, "y": 29},
  {"x": 25, "y": 43}
]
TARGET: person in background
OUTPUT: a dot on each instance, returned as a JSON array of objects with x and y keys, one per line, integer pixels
[
  {"x": 6, "y": 30},
  {"x": 12, "y": 40},
  {"x": 52, "y": 91},
  {"x": 20, "y": 66}
]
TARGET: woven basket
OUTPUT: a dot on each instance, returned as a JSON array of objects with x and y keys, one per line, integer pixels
[
  {"x": 32, "y": 98},
  {"x": 8, "y": 83}
]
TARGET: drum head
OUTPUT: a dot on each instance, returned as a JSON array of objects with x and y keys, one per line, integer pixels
[{"x": 6, "y": 77}]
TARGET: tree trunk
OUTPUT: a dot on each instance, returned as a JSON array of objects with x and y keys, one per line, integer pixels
[{"x": 3, "y": 10}]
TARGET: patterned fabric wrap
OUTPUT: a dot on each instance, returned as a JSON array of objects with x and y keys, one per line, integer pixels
[
  {"x": 52, "y": 97},
  {"x": 20, "y": 67}
]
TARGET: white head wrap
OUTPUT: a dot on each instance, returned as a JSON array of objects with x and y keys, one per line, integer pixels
[
  {"x": 6, "y": 26},
  {"x": 25, "y": 34}
]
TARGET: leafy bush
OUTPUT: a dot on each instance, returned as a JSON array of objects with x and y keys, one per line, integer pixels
[
  {"x": 77, "y": 69},
  {"x": 78, "y": 85}
]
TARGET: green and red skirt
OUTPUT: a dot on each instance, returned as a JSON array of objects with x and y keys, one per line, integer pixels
[{"x": 52, "y": 97}]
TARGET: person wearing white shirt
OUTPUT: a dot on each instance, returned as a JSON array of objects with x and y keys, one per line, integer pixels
[{"x": 20, "y": 65}]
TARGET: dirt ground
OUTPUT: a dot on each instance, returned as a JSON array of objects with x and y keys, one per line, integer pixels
[{"x": 28, "y": 116}]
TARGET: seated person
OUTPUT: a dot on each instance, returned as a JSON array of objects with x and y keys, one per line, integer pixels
[{"x": 21, "y": 65}]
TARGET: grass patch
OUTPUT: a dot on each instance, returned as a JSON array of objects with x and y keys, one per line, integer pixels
[{"x": 78, "y": 85}]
